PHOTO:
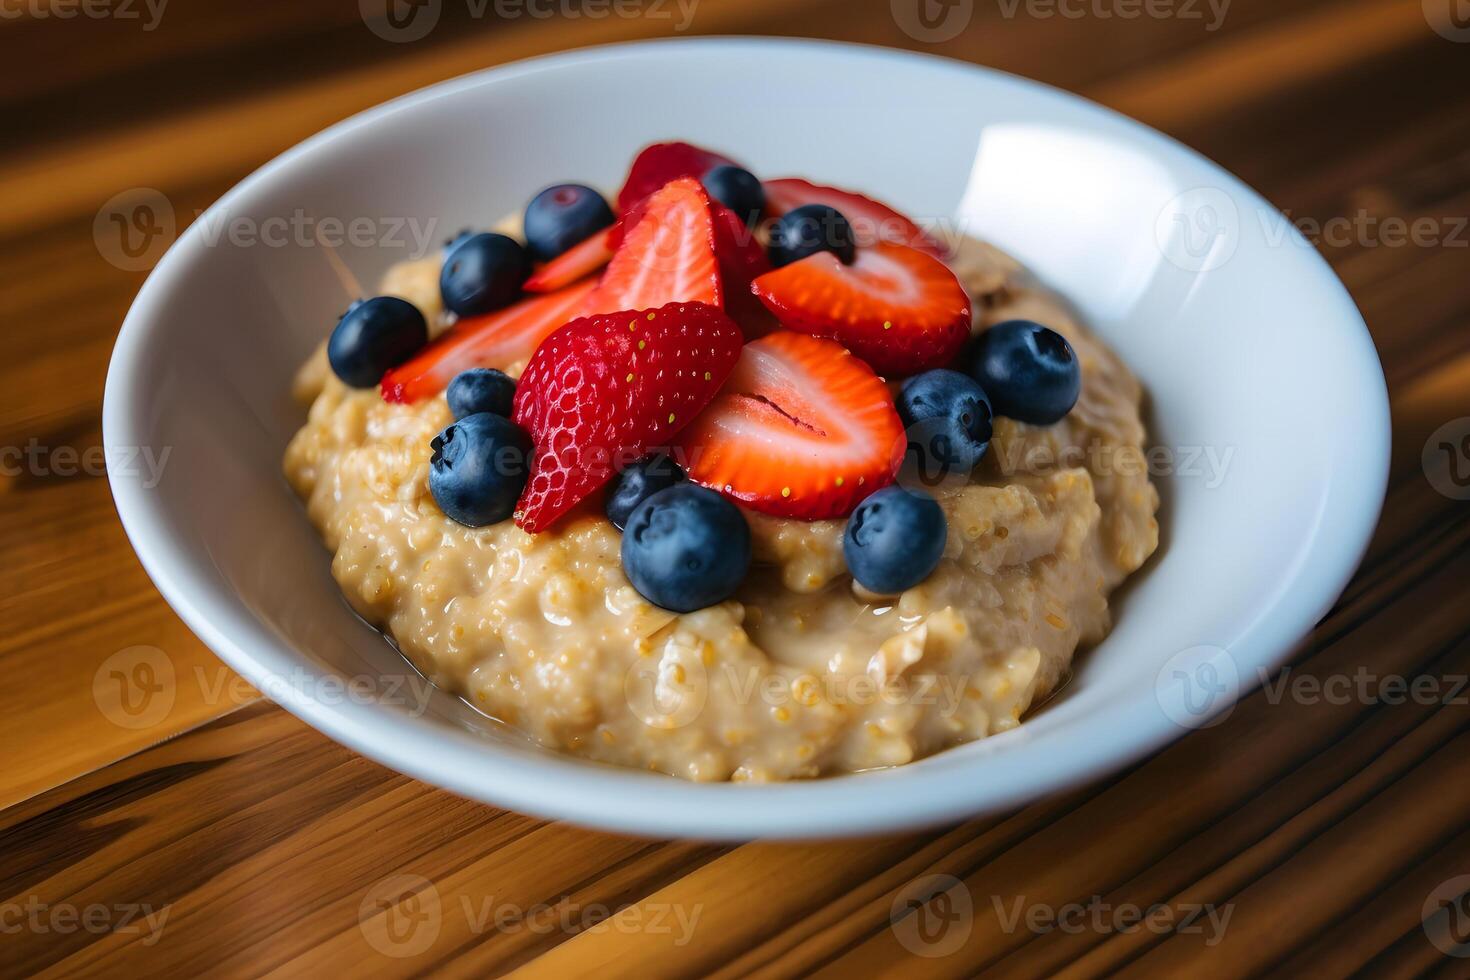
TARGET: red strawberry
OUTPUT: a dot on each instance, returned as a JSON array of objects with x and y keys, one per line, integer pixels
[
  {"x": 742, "y": 259},
  {"x": 605, "y": 390},
  {"x": 897, "y": 308},
  {"x": 872, "y": 221},
  {"x": 582, "y": 259},
  {"x": 499, "y": 340},
  {"x": 802, "y": 429},
  {"x": 667, "y": 257},
  {"x": 660, "y": 163}
]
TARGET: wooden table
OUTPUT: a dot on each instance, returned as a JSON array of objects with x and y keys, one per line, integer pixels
[{"x": 229, "y": 838}]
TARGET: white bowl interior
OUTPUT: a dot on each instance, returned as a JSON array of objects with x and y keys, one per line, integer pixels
[{"x": 1260, "y": 358}]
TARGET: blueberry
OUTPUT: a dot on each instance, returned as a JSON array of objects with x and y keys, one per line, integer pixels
[
  {"x": 947, "y": 418},
  {"x": 462, "y": 236},
  {"x": 686, "y": 547},
  {"x": 894, "y": 540},
  {"x": 373, "y": 336},
  {"x": 1030, "y": 373},
  {"x": 737, "y": 189},
  {"x": 810, "y": 229},
  {"x": 481, "y": 390},
  {"x": 561, "y": 216},
  {"x": 638, "y": 482},
  {"x": 478, "y": 469},
  {"x": 483, "y": 273}
]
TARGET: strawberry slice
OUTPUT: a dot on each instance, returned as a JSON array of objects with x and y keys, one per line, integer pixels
[
  {"x": 872, "y": 221},
  {"x": 897, "y": 308},
  {"x": 802, "y": 429},
  {"x": 667, "y": 257},
  {"x": 607, "y": 389},
  {"x": 577, "y": 262},
  {"x": 656, "y": 165},
  {"x": 742, "y": 260},
  {"x": 501, "y": 339}
]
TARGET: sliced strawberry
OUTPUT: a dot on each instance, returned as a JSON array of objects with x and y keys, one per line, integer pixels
[
  {"x": 742, "y": 260},
  {"x": 667, "y": 257},
  {"x": 897, "y": 308},
  {"x": 872, "y": 221},
  {"x": 499, "y": 340},
  {"x": 605, "y": 390},
  {"x": 802, "y": 429},
  {"x": 577, "y": 262},
  {"x": 660, "y": 163}
]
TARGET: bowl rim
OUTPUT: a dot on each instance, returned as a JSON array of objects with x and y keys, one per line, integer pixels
[{"x": 639, "y": 803}]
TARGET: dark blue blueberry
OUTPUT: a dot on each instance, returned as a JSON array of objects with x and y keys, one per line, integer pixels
[
  {"x": 810, "y": 229},
  {"x": 638, "y": 482},
  {"x": 373, "y": 336},
  {"x": 480, "y": 390},
  {"x": 686, "y": 547},
  {"x": 462, "y": 236},
  {"x": 1030, "y": 373},
  {"x": 894, "y": 540},
  {"x": 947, "y": 419},
  {"x": 561, "y": 216},
  {"x": 737, "y": 189},
  {"x": 478, "y": 469},
  {"x": 483, "y": 273}
]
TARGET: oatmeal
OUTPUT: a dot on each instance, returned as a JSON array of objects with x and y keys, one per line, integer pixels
[{"x": 803, "y": 672}]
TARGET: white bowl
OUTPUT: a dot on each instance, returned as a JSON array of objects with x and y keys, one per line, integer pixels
[{"x": 1247, "y": 343}]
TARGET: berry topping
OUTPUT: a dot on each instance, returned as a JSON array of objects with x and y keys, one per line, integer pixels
[
  {"x": 638, "y": 482},
  {"x": 577, "y": 262},
  {"x": 686, "y": 548},
  {"x": 742, "y": 260},
  {"x": 478, "y": 468},
  {"x": 947, "y": 418},
  {"x": 660, "y": 163},
  {"x": 667, "y": 257},
  {"x": 810, "y": 229},
  {"x": 1030, "y": 373},
  {"x": 373, "y": 336},
  {"x": 802, "y": 429},
  {"x": 460, "y": 237},
  {"x": 481, "y": 390},
  {"x": 899, "y": 309},
  {"x": 483, "y": 273},
  {"x": 737, "y": 189},
  {"x": 873, "y": 221},
  {"x": 606, "y": 389},
  {"x": 894, "y": 540},
  {"x": 498, "y": 340},
  {"x": 561, "y": 216}
]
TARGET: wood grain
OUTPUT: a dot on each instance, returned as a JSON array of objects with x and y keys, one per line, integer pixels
[{"x": 1321, "y": 827}]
